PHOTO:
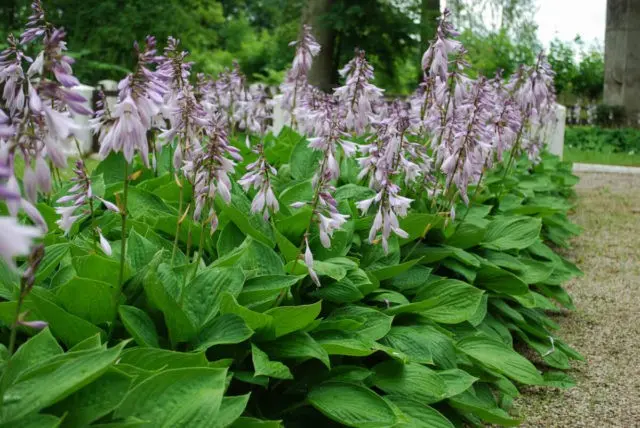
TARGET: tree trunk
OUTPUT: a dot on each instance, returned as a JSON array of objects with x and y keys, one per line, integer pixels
[
  {"x": 622, "y": 63},
  {"x": 321, "y": 73},
  {"x": 429, "y": 12}
]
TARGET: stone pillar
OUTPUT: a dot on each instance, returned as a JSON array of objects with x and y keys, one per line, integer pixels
[{"x": 622, "y": 57}]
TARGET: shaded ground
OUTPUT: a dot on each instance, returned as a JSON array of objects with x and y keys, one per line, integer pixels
[{"x": 606, "y": 326}]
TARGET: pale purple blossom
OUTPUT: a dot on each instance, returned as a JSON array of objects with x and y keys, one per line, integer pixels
[
  {"x": 15, "y": 239},
  {"x": 258, "y": 176},
  {"x": 358, "y": 95}
]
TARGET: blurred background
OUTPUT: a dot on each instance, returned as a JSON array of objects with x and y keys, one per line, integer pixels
[{"x": 499, "y": 35}]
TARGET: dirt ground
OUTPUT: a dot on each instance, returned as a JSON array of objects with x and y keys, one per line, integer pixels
[{"x": 606, "y": 326}]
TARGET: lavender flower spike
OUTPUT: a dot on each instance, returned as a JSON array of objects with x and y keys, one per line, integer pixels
[
  {"x": 15, "y": 239},
  {"x": 258, "y": 177}
]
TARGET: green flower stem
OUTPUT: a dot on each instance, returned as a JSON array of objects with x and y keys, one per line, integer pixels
[{"x": 123, "y": 213}]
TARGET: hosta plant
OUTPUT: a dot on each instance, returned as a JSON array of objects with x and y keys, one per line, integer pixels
[{"x": 375, "y": 264}]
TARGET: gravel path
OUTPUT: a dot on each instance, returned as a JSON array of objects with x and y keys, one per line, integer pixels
[{"x": 606, "y": 326}]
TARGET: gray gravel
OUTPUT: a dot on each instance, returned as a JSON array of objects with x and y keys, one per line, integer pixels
[{"x": 606, "y": 326}]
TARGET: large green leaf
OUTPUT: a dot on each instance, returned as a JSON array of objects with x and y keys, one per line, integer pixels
[
  {"x": 224, "y": 330},
  {"x": 38, "y": 392},
  {"x": 158, "y": 359},
  {"x": 419, "y": 415},
  {"x": 262, "y": 292},
  {"x": 299, "y": 346},
  {"x": 498, "y": 357},
  {"x": 287, "y": 319},
  {"x": 139, "y": 325},
  {"x": 52, "y": 257},
  {"x": 352, "y": 405},
  {"x": 500, "y": 280},
  {"x": 230, "y": 410},
  {"x": 94, "y": 400},
  {"x": 36, "y": 350},
  {"x": 456, "y": 381},
  {"x": 512, "y": 233},
  {"x": 69, "y": 328},
  {"x": 254, "y": 320},
  {"x": 389, "y": 272},
  {"x": 89, "y": 299},
  {"x": 304, "y": 160},
  {"x": 265, "y": 367},
  {"x": 453, "y": 301},
  {"x": 374, "y": 324},
  {"x": 239, "y": 211},
  {"x": 410, "y": 380},
  {"x": 201, "y": 296},
  {"x": 411, "y": 342},
  {"x": 179, "y": 397}
]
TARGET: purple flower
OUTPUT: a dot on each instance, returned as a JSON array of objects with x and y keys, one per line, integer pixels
[
  {"x": 209, "y": 170},
  {"x": 15, "y": 239},
  {"x": 358, "y": 95},
  {"x": 258, "y": 176}
]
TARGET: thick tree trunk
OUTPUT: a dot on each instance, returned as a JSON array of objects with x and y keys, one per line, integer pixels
[
  {"x": 322, "y": 74},
  {"x": 622, "y": 62},
  {"x": 429, "y": 12}
]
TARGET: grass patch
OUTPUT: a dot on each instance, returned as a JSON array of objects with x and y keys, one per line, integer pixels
[{"x": 592, "y": 156}]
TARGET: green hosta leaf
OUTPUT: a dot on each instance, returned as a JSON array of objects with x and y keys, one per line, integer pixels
[
  {"x": 304, "y": 160},
  {"x": 557, "y": 379},
  {"x": 39, "y": 349},
  {"x": 411, "y": 280},
  {"x": 375, "y": 324},
  {"x": 69, "y": 328},
  {"x": 179, "y": 397},
  {"x": 387, "y": 297},
  {"x": 287, "y": 319},
  {"x": 468, "y": 273},
  {"x": 91, "y": 343},
  {"x": 230, "y": 239},
  {"x": 140, "y": 203},
  {"x": 158, "y": 359},
  {"x": 140, "y": 251},
  {"x": 89, "y": 299},
  {"x": 36, "y": 393},
  {"x": 487, "y": 411},
  {"x": 94, "y": 400},
  {"x": 456, "y": 381},
  {"x": 52, "y": 257},
  {"x": 99, "y": 268},
  {"x": 417, "y": 225},
  {"x": 435, "y": 254},
  {"x": 202, "y": 295},
  {"x": 265, "y": 367},
  {"x": 419, "y": 415},
  {"x": 500, "y": 280},
  {"x": 262, "y": 292},
  {"x": 345, "y": 343},
  {"x": 411, "y": 342},
  {"x": 34, "y": 421},
  {"x": 244, "y": 422},
  {"x": 496, "y": 356},
  {"x": 230, "y": 410},
  {"x": 468, "y": 234},
  {"x": 254, "y": 320},
  {"x": 343, "y": 291},
  {"x": 239, "y": 211},
  {"x": 388, "y": 272},
  {"x": 259, "y": 259},
  {"x": 162, "y": 288},
  {"x": 479, "y": 315},
  {"x": 299, "y": 192},
  {"x": 512, "y": 233},
  {"x": 409, "y": 380},
  {"x": 289, "y": 251},
  {"x": 298, "y": 346},
  {"x": 453, "y": 301},
  {"x": 139, "y": 325},
  {"x": 224, "y": 330},
  {"x": 353, "y": 192},
  {"x": 352, "y": 405}
]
